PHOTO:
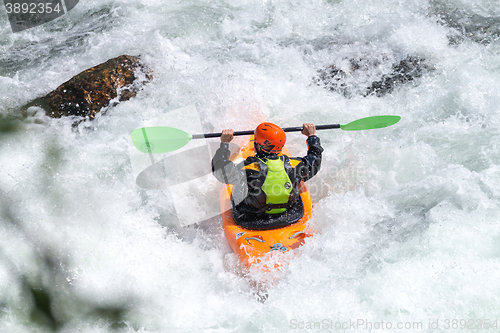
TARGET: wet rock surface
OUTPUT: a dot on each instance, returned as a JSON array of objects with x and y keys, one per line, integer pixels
[
  {"x": 480, "y": 26},
  {"x": 96, "y": 88},
  {"x": 354, "y": 80},
  {"x": 405, "y": 71}
]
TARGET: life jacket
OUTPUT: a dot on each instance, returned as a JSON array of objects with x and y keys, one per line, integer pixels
[{"x": 277, "y": 185}]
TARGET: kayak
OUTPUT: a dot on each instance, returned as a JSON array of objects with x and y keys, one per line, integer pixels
[{"x": 263, "y": 250}]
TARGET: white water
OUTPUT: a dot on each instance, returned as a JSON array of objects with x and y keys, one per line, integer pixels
[{"x": 408, "y": 215}]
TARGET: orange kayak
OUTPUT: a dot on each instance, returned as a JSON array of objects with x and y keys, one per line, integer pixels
[{"x": 263, "y": 250}]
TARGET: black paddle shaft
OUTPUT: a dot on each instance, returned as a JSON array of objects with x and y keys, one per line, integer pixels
[{"x": 287, "y": 129}]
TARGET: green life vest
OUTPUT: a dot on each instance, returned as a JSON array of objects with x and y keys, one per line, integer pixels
[{"x": 277, "y": 185}]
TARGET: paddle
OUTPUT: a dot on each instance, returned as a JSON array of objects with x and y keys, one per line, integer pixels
[{"x": 162, "y": 139}]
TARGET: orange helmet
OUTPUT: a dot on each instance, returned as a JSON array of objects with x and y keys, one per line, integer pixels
[{"x": 270, "y": 138}]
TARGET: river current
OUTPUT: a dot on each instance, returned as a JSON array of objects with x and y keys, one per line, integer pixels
[{"x": 408, "y": 216}]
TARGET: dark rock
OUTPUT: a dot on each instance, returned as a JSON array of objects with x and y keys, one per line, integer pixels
[
  {"x": 465, "y": 23},
  {"x": 333, "y": 79},
  {"x": 406, "y": 71},
  {"x": 99, "y": 87},
  {"x": 363, "y": 78}
]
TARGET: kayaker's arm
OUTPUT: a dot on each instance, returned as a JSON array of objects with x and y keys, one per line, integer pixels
[
  {"x": 311, "y": 163},
  {"x": 224, "y": 169}
]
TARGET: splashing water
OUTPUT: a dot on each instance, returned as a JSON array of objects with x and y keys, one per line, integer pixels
[{"x": 408, "y": 215}]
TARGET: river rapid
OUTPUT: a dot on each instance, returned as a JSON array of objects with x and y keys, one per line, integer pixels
[{"x": 408, "y": 216}]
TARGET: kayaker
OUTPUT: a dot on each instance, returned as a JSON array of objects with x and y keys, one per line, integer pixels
[{"x": 266, "y": 192}]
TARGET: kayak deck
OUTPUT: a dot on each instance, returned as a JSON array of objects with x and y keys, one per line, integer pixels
[{"x": 263, "y": 248}]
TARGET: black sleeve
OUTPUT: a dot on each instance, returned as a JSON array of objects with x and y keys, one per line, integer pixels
[
  {"x": 311, "y": 163},
  {"x": 224, "y": 169}
]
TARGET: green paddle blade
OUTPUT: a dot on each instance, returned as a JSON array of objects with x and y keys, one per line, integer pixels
[
  {"x": 370, "y": 123},
  {"x": 159, "y": 139}
]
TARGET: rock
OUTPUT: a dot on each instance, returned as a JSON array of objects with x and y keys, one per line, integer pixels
[
  {"x": 333, "y": 79},
  {"x": 466, "y": 22},
  {"x": 406, "y": 71},
  {"x": 363, "y": 78},
  {"x": 99, "y": 87}
]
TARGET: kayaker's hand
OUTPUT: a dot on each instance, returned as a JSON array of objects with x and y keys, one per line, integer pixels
[
  {"x": 227, "y": 135},
  {"x": 309, "y": 129}
]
